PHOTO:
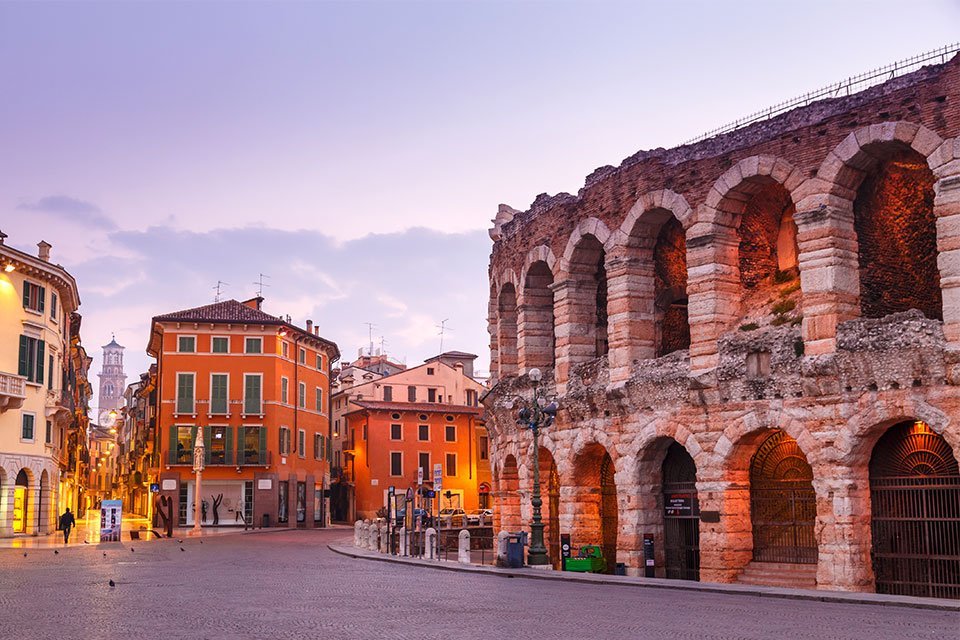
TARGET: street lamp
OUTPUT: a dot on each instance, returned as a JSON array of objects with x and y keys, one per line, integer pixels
[{"x": 536, "y": 416}]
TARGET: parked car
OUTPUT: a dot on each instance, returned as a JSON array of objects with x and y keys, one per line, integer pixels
[
  {"x": 458, "y": 516},
  {"x": 473, "y": 518}
]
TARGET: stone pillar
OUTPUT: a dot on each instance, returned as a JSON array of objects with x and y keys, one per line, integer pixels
[
  {"x": 630, "y": 293},
  {"x": 46, "y": 506},
  {"x": 366, "y": 534},
  {"x": 507, "y": 332},
  {"x": 502, "y": 547},
  {"x": 575, "y": 322},
  {"x": 946, "y": 205},
  {"x": 373, "y": 537},
  {"x": 829, "y": 273},
  {"x": 6, "y": 510},
  {"x": 492, "y": 330},
  {"x": 33, "y": 509},
  {"x": 463, "y": 549},
  {"x": 843, "y": 531},
  {"x": 726, "y": 547},
  {"x": 431, "y": 543},
  {"x": 535, "y": 328},
  {"x": 382, "y": 532},
  {"x": 713, "y": 289},
  {"x": 357, "y": 533}
]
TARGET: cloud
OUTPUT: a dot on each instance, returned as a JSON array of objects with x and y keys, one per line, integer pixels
[
  {"x": 404, "y": 283},
  {"x": 72, "y": 209}
]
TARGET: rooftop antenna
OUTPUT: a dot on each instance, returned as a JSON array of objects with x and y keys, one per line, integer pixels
[
  {"x": 383, "y": 346},
  {"x": 261, "y": 284},
  {"x": 370, "y": 327},
  {"x": 443, "y": 328},
  {"x": 220, "y": 285}
]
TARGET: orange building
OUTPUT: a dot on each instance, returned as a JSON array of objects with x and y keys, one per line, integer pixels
[
  {"x": 258, "y": 387},
  {"x": 413, "y": 419}
]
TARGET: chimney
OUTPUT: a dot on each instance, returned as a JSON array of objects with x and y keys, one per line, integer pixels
[
  {"x": 44, "y": 253},
  {"x": 309, "y": 326},
  {"x": 254, "y": 303},
  {"x": 2, "y": 236},
  {"x": 316, "y": 330}
]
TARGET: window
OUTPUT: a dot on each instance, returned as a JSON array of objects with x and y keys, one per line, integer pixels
[
  {"x": 33, "y": 297},
  {"x": 431, "y": 395},
  {"x": 253, "y": 345},
  {"x": 388, "y": 393},
  {"x": 471, "y": 398},
  {"x": 396, "y": 463},
  {"x": 284, "y": 441},
  {"x": 252, "y": 384},
  {"x": 285, "y": 349},
  {"x": 317, "y": 454},
  {"x": 319, "y": 396},
  {"x": 423, "y": 462},
  {"x": 411, "y": 394},
  {"x": 218, "y": 393},
  {"x": 319, "y": 362},
  {"x": 302, "y": 356},
  {"x": 217, "y": 446},
  {"x": 254, "y": 443},
  {"x": 185, "y": 441},
  {"x": 27, "y": 424},
  {"x": 220, "y": 345},
  {"x": 284, "y": 390},
  {"x": 396, "y": 432},
  {"x": 302, "y": 395},
  {"x": 282, "y": 501},
  {"x": 484, "y": 448},
  {"x": 186, "y": 344},
  {"x": 185, "y": 393},
  {"x": 423, "y": 433},
  {"x": 48, "y": 436},
  {"x": 429, "y": 371},
  {"x": 324, "y": 447},
  {"x": 450, "y": 433},
  {"x": 302, "y": 443},
  {"x": 50, "y": 371},
  {"x": 451, "y": 464},
  {"x": 53, "y": 305},
  {"x": 31, "y": 359},
  {"x": 336, "y": 428}
]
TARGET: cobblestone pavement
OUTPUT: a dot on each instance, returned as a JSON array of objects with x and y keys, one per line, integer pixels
[{"x": 287, "y": 584}]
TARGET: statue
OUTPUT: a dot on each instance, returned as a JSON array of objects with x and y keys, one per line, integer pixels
[
  {"x": 165, "y": 511},
  {"x": 216, "y": 508}
]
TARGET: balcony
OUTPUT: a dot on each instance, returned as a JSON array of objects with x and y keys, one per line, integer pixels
[
  {"x": 59, "y": 405},
  {"x": 13, "y": 391}
]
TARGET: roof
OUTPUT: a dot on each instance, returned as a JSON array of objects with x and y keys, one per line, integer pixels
[
  {"x": 453, "y": 354},
  {"x": 112, "y": 344},
  {"x": 420, "y": 407}
]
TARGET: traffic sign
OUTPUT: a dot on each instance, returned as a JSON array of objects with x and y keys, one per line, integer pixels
[
  {"x": 437, "y": 477},
  {"x": 419, "y": 475}
]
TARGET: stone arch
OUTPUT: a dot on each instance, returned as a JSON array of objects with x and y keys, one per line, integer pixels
[
  {"x": 509, "y": 494},
  {"x": 580, "y": 298},
  {"x": 536, "y": 310},
  {"x": 550, "y": 510},
  {"x": 592, "y": 513},
  {"x": 647, "y": 271},
  {"x": 827, "y": 219},
  {"x": 24, "y": 516}
]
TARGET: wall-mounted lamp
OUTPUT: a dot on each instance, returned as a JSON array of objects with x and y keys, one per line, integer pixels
[{"x": 9, "y": 267}]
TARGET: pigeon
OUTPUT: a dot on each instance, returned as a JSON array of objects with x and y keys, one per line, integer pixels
[
  {"x": 85, "y": 542},
  {"x": 201, "y": 542},
  {"x": 24, "y": 554},
  {"x": 131, "y": 549},
  {"x": 181, "y": 549},
  {"x": 55, "y": 552},
  {"x": 112, "y": 584},
  {"x": 104, "y": 554},
  {"x": 180, "y": 541}
]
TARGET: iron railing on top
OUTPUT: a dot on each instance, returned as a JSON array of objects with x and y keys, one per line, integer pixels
[{"x": 844, "y": 87}]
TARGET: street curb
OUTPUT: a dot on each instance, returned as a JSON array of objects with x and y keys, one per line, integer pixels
[{"x": 839, "y": 597}]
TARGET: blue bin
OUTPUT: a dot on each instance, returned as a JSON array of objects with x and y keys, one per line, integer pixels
[{"x": 515, "y": 544}]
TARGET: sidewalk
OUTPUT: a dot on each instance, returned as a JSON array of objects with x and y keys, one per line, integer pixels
[{"x": 840, "y": 597}]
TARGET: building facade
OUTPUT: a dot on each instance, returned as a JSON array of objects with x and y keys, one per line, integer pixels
[
  {"x": 258, "y": 389},
  {"x": 44, "y": 392},
  {"x": 416, "y": 419},
  {"x": 113, "y": 381},
  {"x": 139, "y": 459},
  {"x": 753, "y": 340}
]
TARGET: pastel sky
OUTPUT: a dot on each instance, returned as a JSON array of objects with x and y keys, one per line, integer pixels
[{"x": 356, "y": 152}]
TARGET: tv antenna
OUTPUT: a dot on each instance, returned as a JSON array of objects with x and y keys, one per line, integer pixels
[
  {"x": 443, "y": 329},
  {"x": 261, "y": 284},
  {"x": 370, "y": 328},
  {"x": 220, "y": 285}
]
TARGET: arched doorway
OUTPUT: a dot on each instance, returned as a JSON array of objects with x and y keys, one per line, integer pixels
[
  {"x": 589, "y": 278},
  {"x": 593, "y": 502},
  {"x": 609, "y": 517},
  {"x": 550, "y": 479},
  {"x": 681, "y": 515},
  {"x": 783, "y": 504},
  {"x": 509, "y": 496},
  {"x": 21, "y": 491},
  {"x": 915, "y": 513}
]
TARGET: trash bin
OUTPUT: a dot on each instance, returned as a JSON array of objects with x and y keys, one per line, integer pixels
[
  {"x": 266, "y": 521},
  {"x": 516, "y": 541},
  {"x": 620, "y": 569}
]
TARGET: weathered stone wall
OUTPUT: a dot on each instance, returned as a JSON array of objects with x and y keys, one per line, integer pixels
[{"x": 767, "y": 350}]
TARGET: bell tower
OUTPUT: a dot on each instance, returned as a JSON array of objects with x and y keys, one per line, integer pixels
[{"x": 112, "y": 379}]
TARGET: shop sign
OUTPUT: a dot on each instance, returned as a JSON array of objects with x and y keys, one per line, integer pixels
[{"x": 678, "y": 504}]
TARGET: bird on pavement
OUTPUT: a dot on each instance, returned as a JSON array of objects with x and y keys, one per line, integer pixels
[
  {"x": 24, "y": 554},
  {"x": 112, "y": 584},
  {"x": 55, "y": 552},
  {"x": 180, "y": 541},
  {"x": 181, "y": 549},
  {"x": 131, "y": 549},
  {"x": 104, "y": 554}
]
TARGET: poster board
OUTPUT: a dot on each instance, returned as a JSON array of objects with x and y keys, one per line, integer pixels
[{"x": 111, "y": 515}]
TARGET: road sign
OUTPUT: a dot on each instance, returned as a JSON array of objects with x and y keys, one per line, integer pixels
[
  {"x": 419, "y": 475},
  {"x": 437, "y": 477}
]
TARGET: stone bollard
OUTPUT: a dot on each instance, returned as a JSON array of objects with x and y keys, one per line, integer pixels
[
  {"x": 357, "y": 528},
  {"x": 431, "y": 542},
  {"x": 482, "y": 521},
  {"x": 403, "y": 541},
  {"x": 384, "y": 538},
  {"x": 463, "y": 553},
  {"x": 366, "y": 534},
  {"x": 502, "y": 548},
  {"x": 373, "y": 542},
  {"x": 449, "y": 519}
]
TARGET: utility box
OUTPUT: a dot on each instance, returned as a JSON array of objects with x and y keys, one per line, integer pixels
[
  {"x": 516, "y": 541},
  {"x": 589, "y": 560}
]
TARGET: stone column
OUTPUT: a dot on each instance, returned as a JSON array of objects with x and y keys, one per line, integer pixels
[
  {"x": 575, "y": 322},
  {"x": 535, "y": 328},
  {"x": 33, "y": 509},
  {"x": 463, "y": 549},
  {"x": 6, "y": 510},
  {"x": 946, "y": 205},
  {"x": 843, "y": 531},
  {"x": 630, "y": 292},
  {"x": 713, "y": 288},
  {"x": 829, "y": 273},
  {"x": 726, "y": 547}
]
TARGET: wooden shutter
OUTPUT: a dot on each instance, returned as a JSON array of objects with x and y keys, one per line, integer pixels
[
  {"x": 41, "y": 298},
  {"x": 172, "y": 454},
  {"x": 228, "y": 445},
  {"x": 23, "y": 368},
  {"x": 207, "y": 441},
  {"x": 38, "y": 372},
  {"x": 241, "y": 445},
  {"x": 263, "y": 445}
]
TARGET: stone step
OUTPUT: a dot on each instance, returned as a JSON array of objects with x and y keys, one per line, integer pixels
[{"x": 779, "y": 574}]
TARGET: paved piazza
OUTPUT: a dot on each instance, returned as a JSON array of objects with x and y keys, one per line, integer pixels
[{"x": 287, "y": 584}]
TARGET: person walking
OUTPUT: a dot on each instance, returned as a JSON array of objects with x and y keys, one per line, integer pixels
[{"x": 67, "y": 522}]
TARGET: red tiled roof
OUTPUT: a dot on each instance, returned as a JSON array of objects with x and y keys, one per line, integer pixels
[
  {"x": 226, "y": 311},
  {"x": 420, "y": 407}
]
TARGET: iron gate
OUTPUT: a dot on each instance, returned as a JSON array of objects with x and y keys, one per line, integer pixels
[
  {"x": 783, "y": 504},
  {"x": 681, "y": 515},
  {"x": 915, "y": 523}
]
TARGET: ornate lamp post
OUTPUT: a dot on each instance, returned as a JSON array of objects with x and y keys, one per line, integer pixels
[
  {"x": 198, "y": 460},
  {"x": 536, "y": 416}
]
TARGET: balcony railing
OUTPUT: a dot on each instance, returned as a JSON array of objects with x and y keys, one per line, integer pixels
[{"x": 13, "y": 391}]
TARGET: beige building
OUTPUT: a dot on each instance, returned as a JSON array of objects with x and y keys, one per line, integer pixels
[{"x": 42, "y": 389}]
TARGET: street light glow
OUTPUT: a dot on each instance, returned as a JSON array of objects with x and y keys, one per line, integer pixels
[{"x": 535, "y": 375}]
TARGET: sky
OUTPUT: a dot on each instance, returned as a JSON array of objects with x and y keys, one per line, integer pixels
[{"x": 356, "y": 152}]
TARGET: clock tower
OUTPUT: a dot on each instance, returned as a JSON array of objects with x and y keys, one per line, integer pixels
[{"x": 112, "y": 381}]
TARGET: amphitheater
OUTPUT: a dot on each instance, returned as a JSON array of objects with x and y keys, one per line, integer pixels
[{"x": 754, "y": 340}]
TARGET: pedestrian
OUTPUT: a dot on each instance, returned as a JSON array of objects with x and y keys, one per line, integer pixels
[{"x": 67, "y": 522}]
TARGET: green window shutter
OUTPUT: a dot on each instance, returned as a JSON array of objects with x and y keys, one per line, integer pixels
[
  {"x": 24, "y": 365},
  {"x": 38, "y": 372},
  {"x": 241, "y": 445},
  {"x": 228, "y": 445},
  {"x": 263, "y": 445},
  {"x": 26, "y": 295},
  {"x": 280, "y": 434},
  {"x": 172, "y": 455},
  {"x": 43, "y": 299},
  {"x": 207, "y": 441}
]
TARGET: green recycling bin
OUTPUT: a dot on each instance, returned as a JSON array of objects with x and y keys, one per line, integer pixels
[{"x": 588, "y": 560}]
